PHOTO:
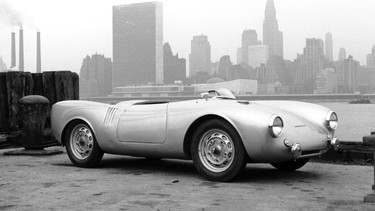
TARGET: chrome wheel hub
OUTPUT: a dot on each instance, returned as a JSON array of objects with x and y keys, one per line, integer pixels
[
  {"x": 81, "y": 141},
  {"x": 216, "y": 150}
]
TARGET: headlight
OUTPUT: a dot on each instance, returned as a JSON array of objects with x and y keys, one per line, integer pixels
[
  {"x": 332, "y": 120},
  {"x": 276, "y": 126}
]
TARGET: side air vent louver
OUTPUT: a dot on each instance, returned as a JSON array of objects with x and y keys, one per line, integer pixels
[{"x": 109, "y": 115}]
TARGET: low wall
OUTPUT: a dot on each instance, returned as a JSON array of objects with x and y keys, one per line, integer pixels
[{"x": 54, "y": 85}]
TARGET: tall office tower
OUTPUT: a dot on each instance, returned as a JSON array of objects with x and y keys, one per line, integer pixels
[
  {"x": 239, "y": 55},
  {"x": 200, "y": 56},
  {"x": 311, "y": 63},
  {"x": 271, "y": 34},
  {"x": 347, "y": 75},
  {"x": 249, "y": 38},
  {"x": 225, "y": 66},
  {"x": 370, "y": 58},
  {"x": 95, "y": 76},
  {"x": 342, "y": 54},
  {"x": 174, "y": 67},
  {"x": 137, "y": 44},
  {"x": 329, "y": 47},
  {"x": 258, "y": 55}
]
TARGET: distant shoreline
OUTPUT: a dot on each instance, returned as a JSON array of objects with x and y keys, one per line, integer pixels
[{"x": 302, "y": 97}]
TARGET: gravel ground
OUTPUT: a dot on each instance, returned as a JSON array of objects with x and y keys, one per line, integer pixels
[{"x": 127, "y": 183}]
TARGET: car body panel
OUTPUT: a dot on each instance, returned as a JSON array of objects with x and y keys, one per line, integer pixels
[
  {"x": 152, "y": 129},
  {"x": 140, "y": 124}
]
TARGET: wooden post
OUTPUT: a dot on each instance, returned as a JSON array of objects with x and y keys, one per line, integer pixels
[
  {"x": 75, "y": 85},
  {"x": 29, "y": 84},
  {"x": 49, "y": 87},
  {"x": 4, "y": 113},
  {"x": 370, "y": 141},
  {"x": 64, "y": 85},
  {"x": 16, "y": 90},
  {"x": 38, "y": 84}
]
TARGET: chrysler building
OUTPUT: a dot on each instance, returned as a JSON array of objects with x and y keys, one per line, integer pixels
[{"x": 271, "y": 34}]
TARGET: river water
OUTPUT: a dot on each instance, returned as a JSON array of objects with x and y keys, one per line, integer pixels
[{"x": 355, "y": 120}]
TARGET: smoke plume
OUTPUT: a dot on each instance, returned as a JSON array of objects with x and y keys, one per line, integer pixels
[{"x": 9, "y": 15}]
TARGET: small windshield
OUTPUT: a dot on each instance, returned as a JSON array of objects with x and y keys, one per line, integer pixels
[{"x": 219, "y": 93}]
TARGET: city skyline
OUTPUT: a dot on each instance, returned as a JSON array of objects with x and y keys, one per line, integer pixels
[{"x": 89, "y": 31}]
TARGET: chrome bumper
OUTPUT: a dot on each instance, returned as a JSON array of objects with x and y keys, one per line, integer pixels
[
  {"x": 296, "y": 148},
  {"x": 334, "y": 143}
]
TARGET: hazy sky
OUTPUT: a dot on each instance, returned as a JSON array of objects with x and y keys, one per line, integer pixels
[{"x": 72, "y": 29}]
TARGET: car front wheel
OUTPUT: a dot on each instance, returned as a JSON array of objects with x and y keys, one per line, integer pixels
[
  {"x": 81, "y": 145},
  {"x": 217, "y": 151},
  {"x": 290, "y": 165}
]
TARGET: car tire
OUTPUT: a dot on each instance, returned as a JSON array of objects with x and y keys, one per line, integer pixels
[
  {"x": 290, "y": 165},
  {"x": 217, "y": 151},
  {"x": 81, "y": 145}
]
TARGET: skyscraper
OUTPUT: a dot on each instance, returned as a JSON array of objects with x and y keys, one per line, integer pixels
[
  {"x": 258, "y": 55},
  {"x": 342, "y": 54},
  {"x": 225, "y": 66},
  {"x": 174, "y": 67},
  {"x": 329, "y": 47},
  {"x": 249, "y": 38},
  {"x": 239, "y": 55},
  {"x": 347, "y": 75},
  {"x": 370, "y": 58},
  {"x": 138, "y": 44},
  {"x": 95, "y": 76},
  {"x": 200, "y": 56},
  {"x": 310, "y": 63},
  {"x": 271, "y": 34}
]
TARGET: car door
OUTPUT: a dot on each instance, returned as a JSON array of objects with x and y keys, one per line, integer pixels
[{"x": 143, "y": 123}]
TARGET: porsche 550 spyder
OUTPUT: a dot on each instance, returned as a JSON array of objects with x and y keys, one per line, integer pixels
[{"x": 217, "y": 132}]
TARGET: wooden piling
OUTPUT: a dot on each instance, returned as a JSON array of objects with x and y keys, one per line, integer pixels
[
  {"x": 49, "y": 89},
  {"x": 38, "y": 84},
  {"x": 64, "y": 85},
  {"x": 16, "y": 90},
  {"x": 4, "y": 114}
]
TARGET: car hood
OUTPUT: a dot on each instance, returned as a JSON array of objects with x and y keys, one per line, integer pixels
[{"x": 300, "y": 113}]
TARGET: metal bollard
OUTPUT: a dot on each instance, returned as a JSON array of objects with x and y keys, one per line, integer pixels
[
  {"x": 370, "y": 141},
  {"x": 33, "y": 110}
]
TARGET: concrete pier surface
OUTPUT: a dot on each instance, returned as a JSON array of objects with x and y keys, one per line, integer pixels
[{"x": 127, "y": 183}]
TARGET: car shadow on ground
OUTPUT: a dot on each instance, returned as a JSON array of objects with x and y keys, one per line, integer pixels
[
  {"x": 266, "y": 173},
  {"x": 171, "y": 167}
]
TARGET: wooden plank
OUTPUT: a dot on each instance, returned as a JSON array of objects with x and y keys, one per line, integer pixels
[
  {"x": 64, "y": 85},
  {"x": 48, "y": 79},
  {"x": 75, "y": 85},
  {"x": 29, "y": 84},
  {"x": 16, "y": 90},
  {"x": 38, "y": 84},
  {"x": 4, "y": 114}
]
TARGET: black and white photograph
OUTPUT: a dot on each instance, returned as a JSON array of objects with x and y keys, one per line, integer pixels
[{"x": 187, "y": 105}]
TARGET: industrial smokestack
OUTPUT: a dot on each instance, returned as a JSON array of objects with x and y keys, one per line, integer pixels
[
  {"x": 13, "y": 56},
  {"x": 21, "y": 60},
  {"x": 38, "y": 55}
]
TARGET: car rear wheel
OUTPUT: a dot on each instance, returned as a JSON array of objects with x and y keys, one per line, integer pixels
[
  {"x": 290, "y": 165},
  {"x": 81, "y": 145},
  {"x": 217, "y": 151}
]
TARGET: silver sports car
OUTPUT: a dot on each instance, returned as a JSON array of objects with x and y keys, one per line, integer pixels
[{"x": 219, "y": 133}]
